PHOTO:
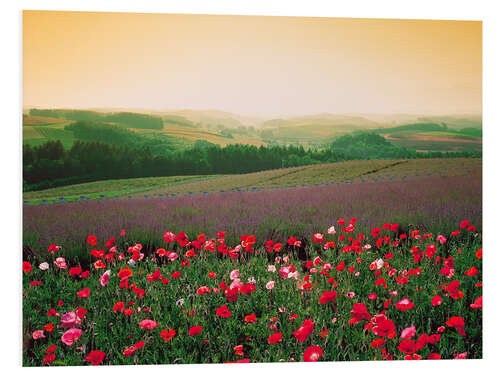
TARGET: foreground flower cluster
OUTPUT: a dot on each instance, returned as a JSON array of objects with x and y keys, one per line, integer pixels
[{"x": 383, "y": 295}]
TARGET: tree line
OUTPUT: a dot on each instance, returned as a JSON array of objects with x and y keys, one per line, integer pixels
[{"x": 50, "y": 165}]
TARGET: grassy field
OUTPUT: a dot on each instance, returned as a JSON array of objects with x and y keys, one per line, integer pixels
[
  {"x": 108, "y": 188},
  {"x": 189, "y": 303},
  {"x": 363, "y": 171}
]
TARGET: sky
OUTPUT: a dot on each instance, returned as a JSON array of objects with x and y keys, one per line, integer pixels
[{"x": 251, "y": 65}]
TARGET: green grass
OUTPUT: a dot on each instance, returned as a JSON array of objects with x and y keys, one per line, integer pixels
[{"x": 109, "y": 188}]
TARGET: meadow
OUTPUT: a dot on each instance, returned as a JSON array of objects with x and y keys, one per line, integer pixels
[
  {"x": 355, "y": 260},
  {"x": 336, "y": 295}
]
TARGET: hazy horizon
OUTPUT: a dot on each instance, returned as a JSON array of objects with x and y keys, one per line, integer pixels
[{"x": 255, "y": 66}]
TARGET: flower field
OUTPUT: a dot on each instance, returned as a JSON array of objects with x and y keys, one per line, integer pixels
[{"x": 347, "y": 296}]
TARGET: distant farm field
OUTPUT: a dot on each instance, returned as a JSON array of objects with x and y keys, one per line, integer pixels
[
  {"x": 353, "y": 172},
  {"x": 109, "y": 188}
]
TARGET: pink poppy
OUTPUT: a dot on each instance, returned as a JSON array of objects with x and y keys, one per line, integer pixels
[
  {"x": 408, "y": 333},
  {"x": 71, "y": 335},
  {"x": 70, "y": 320},
  {"x": 38, "y": 334},
  {"x": 104, "y": 279},
  {"x": 148, "y": 324}
]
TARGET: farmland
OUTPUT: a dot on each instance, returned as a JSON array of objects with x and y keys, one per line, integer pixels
[
  {"x": 248, "y": 286},
  {"x": 334, "y": 173}
]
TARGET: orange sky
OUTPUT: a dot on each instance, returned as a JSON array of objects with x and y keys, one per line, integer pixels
[{"x": 251, "y": 65}]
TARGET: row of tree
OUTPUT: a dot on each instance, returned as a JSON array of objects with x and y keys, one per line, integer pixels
[{"x": 50, "y": 165}]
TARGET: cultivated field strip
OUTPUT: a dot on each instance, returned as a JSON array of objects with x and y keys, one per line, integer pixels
[{"x": 351, "y": 172}]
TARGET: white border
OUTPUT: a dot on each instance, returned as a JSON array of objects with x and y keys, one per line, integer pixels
[{"x": 423, "y": 9}]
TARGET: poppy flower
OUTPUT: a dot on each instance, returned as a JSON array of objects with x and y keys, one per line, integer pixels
[
  {"x": 70, "y": 320},
  {"x": 92, "y": 240},
  {"x": 478, "y": 303},
  {"x": 275, "y": 338},
  {"x": 27, "y": 267},
  {"x": 104, "y": 279},
  {"x": 95, "y": 357},
  {"x": 49, "y": 327},
  {"x": 195, "y": 330},
  {"x": 223, "y": 311},
  {"x": 408, "y": 346},
  {"x": 312, "y": 354},
  {"x": 408, "y": 333},
  {"x": 71, "y": 335},
  {"x": 359, "y": 313},
  {"x": 304, "y": 331},
  {"x": 84, "y": 274},
  {"x": 167, "y": 334},
  {"x": 458, "y": 323},
  {"x": 148, "y": 324},
  {"x": 384, "y": 328},
  {"x": 471, "y": 271},
  {"x": 377, "y": 343},
  {"x": 328, "y": 296},
  {"x": 318, "y": 238},
  {"x": 38, "y": 334},
  {"x": 433, "y": 356},
  {"x": 252, "y": 318},
  {"x": 129, "y": 351},
  {"x": 436, "y": 300},
  {"x": 84, "y": 293},
  {"x": 479, "y": 254},
  {"x": 405, "y": 304}
]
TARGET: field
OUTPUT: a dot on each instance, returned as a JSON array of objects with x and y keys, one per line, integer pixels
[
  {"x": 108, "y": 188},
  {"x": 200, "y": 297},
  {"x": 334, "y": 173},
  {"x": 435, "y": 141}
]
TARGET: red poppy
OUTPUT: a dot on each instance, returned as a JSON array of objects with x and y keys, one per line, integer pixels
[
  {"x": 129, "y": 351},
  {"x": 408, "y": 346},
  {"x": 471, "y": 271},
  {"x": 223, "y": 311},
  {"x": 95, "y": 357},
  {"x": 84, "y": 293},
  {"x": 478, "y": 303},
  {"x": 479, "y": 254},
  {"x": 167, "y": 334},
  {"x": 458, "y": 323},
  {"x": 304, "y": 331},
  {"x": 436, "y": 300},
  {"x": 195, "y": 330},
  {"x": 377, "y": 342},
  {"x": 405, "y": 304},
  {"x": 328, "y": 296},
  {"x": 92, "y": 240},
  {"x": 124, "y": 273},
  {"x": 433, "y": 356},
  {"x": 312, "y": 353},
  {"x": 252, "y": 318},
  {"x": 359, "y": 313},
  {"x": 74, "y": 271},
  {"x": 84, "y": 274},
  {"x": 275, "y": 338},
  {"x": 53, "y": 248},
  {"x": 385, "y": 328},
  {"x": 119, "y": 306},
  {"x": 49, "y": 327},
  {"x": 27, "y": 267}
]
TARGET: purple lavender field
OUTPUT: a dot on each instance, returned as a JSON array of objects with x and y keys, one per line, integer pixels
[{"x": 432, "y": 204}]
